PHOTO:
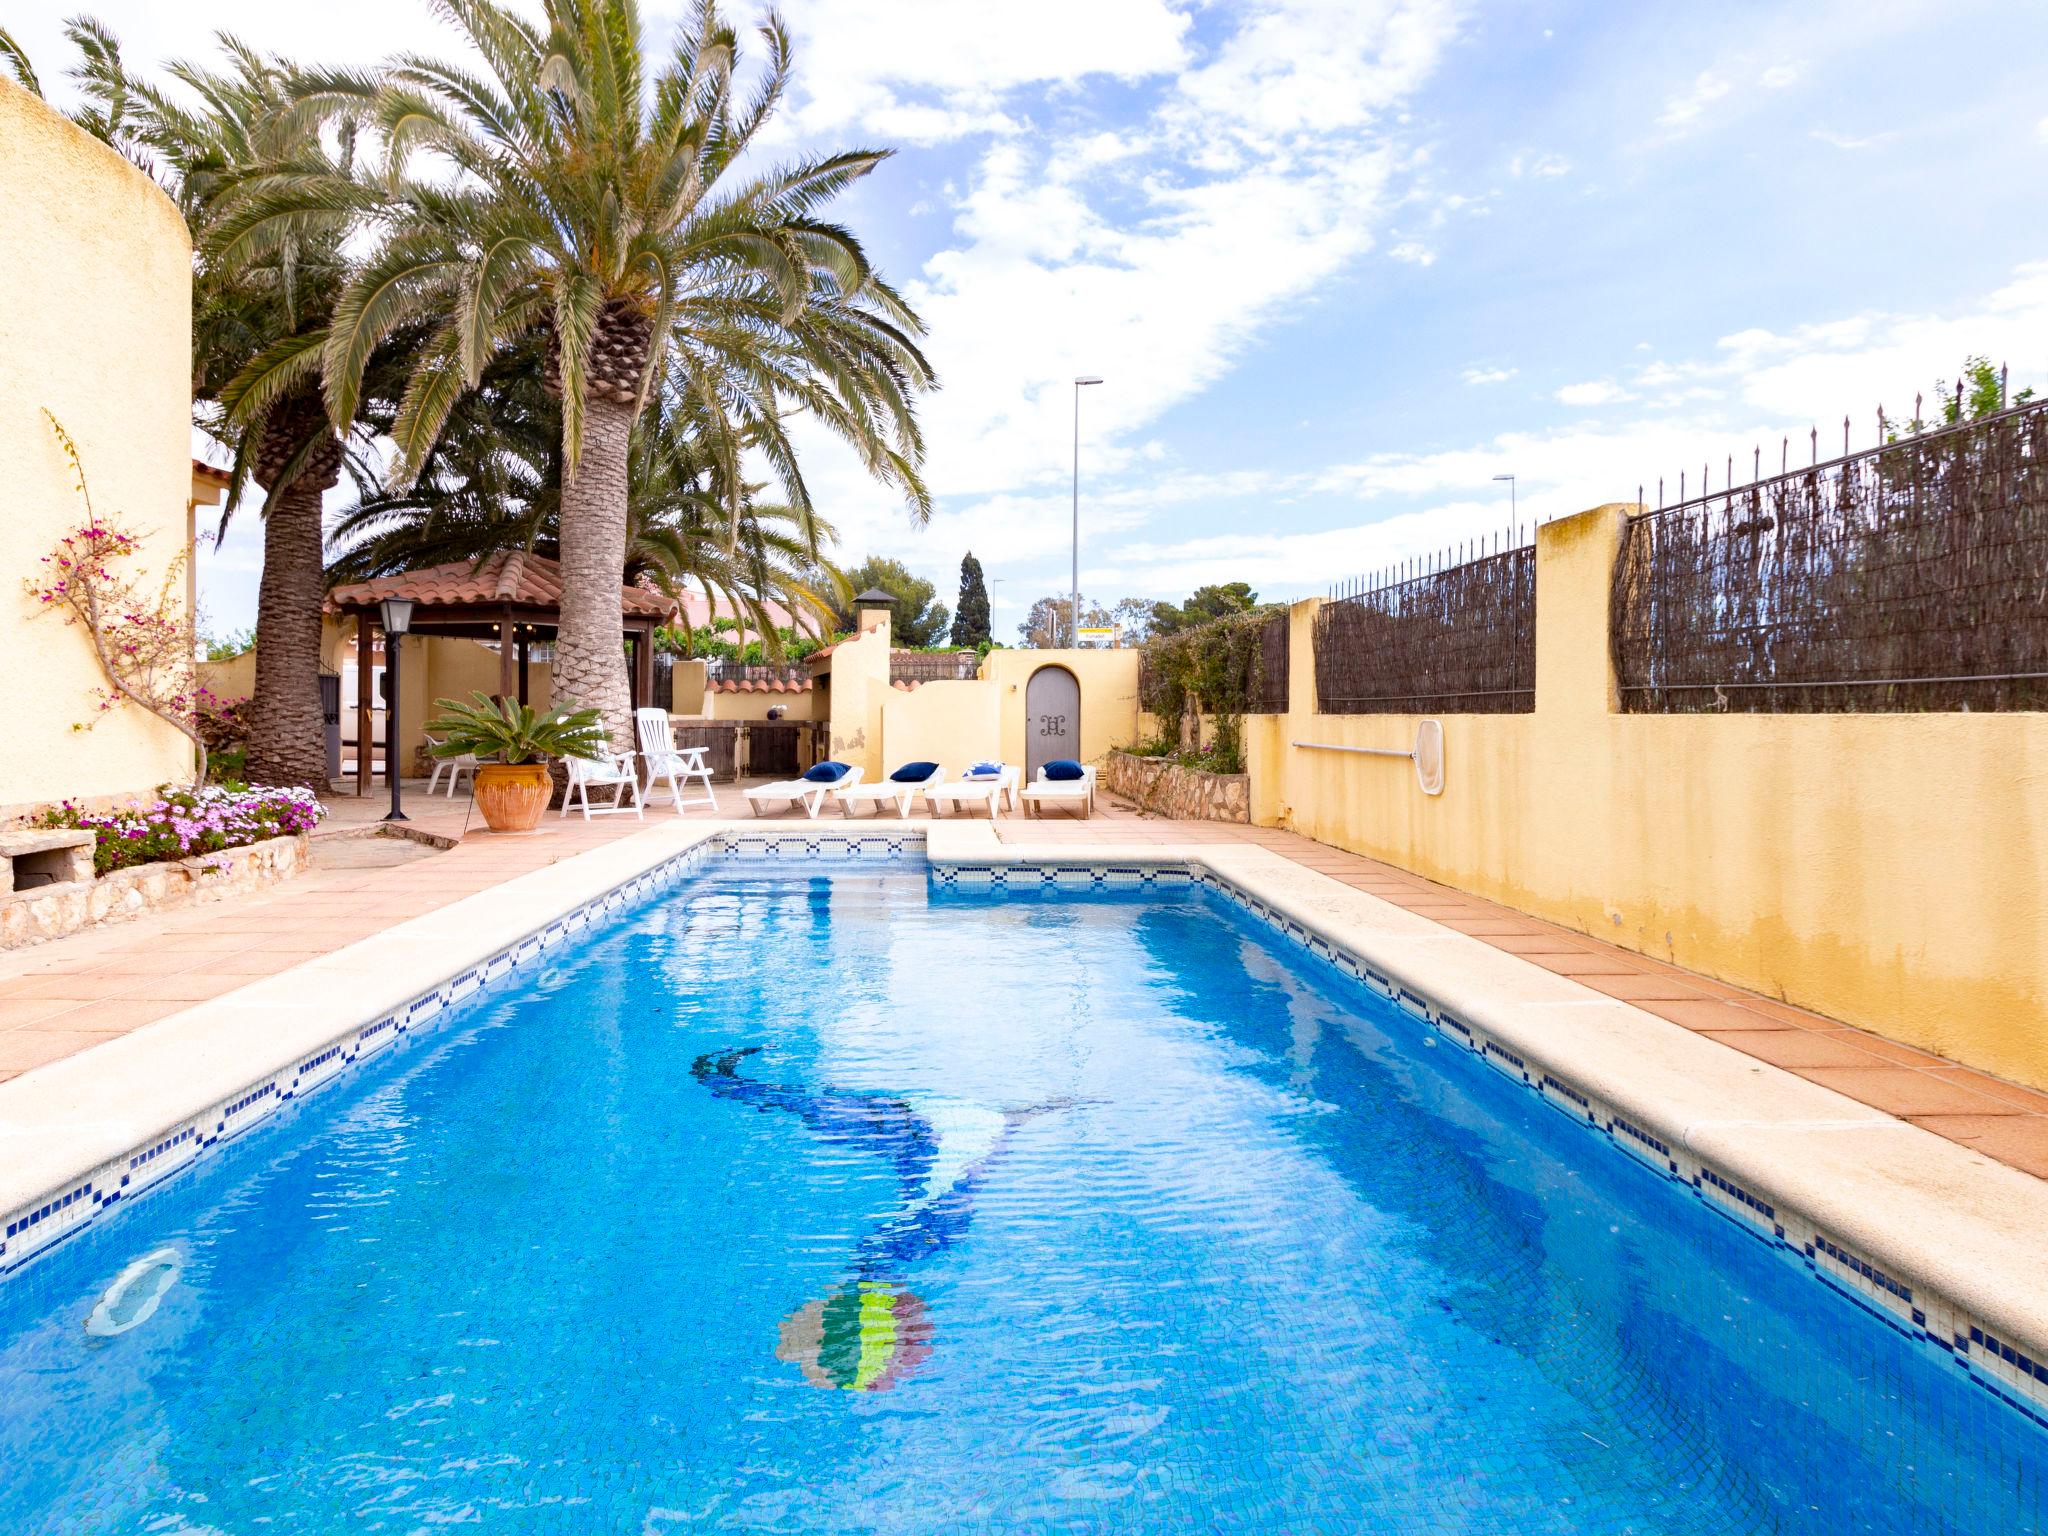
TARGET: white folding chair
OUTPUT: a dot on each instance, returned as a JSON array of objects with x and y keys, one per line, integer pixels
[
  {"x": 666, "y": 760},
  {"x": 613, "y": 771},
  {"x": 455, "y": 767}
]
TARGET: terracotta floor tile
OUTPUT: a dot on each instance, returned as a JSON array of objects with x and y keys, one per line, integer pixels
[
  {"x": 1884, "y": 1050},
  {"x": 194, "y": 986},
  {"x": 1537, "y": 944},
  {"x": 1636, "y": 987},
  {"x": 1903, "y": 1091},
  {"x": 1792, "y": 1047},
  {"x": 1712, "y": 1013},
  {"x": 2030, "y": 1100},
  {"x": 1585, "y": 963},
  {"x": 81, "y": 989},
  {"x": 23, "y": 1049},
  {"x": 2018, "y": 1140},
  {"x": 16, "y": 1011},
  {"x": 117, "y": 1015}
]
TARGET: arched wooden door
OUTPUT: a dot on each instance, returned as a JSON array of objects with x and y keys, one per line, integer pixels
[{"x": 1052, "y": 718}]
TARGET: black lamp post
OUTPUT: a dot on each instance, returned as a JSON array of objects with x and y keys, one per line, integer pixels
[{"x": 396, "y": 613}]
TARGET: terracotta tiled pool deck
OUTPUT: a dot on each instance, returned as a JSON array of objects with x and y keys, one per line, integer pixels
[{"x": 61, "y": 998}]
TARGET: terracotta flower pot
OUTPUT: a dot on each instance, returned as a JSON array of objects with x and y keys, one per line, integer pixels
[{"x": 512, "y": 795}]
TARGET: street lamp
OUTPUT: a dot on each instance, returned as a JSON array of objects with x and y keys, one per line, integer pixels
[
  {"x": 1512, "y": 518},
  {"x": 396, "y": 613},
  {"x": 1074, "y": 592}
]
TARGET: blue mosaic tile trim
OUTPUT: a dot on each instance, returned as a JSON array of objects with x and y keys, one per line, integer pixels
[
  {"x": 33, "y": 1230},
  {"x": 2017, "y": 1380}
]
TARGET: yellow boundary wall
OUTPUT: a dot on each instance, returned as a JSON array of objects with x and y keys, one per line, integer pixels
[{"x": 1887, "y": 870}]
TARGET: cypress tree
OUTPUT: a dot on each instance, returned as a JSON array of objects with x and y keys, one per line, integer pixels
[{"x": 970, "y": 616}]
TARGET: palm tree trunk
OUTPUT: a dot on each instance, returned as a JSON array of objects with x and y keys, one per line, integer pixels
[
  {"x": 287, "y": 740},
  {"x": 590, "y": 646}
]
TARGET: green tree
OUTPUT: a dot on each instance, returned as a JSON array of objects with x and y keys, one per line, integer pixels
[
  {"x": 259, "y": 329},
  {"x": 919, "y": 618},
  {"x": 1045, "y": 626},
  {"x": 611, "y": 205},
  {"x": 1204, "y": 604},
  {"x": 970, "y": 618}
]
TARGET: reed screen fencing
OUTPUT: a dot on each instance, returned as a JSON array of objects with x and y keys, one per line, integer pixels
[
  {"x": 1448, "y": 639},
  {"x": 1908, "y": 577}
]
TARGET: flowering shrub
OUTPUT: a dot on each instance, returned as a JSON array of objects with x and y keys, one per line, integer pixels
[
  {"x": 141, "y": 636},
  {"x": 222, "y": 723},
  {"x": 180, "y": 823}
]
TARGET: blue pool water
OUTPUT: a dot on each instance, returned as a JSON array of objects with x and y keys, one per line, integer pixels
[{"x": 801, "y": 1200}]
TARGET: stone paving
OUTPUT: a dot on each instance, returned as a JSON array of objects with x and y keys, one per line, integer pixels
[{"x": 66, "y": 996}]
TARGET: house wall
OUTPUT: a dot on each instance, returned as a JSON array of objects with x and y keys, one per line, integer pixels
[
  {"x": 722, "y": 705},
  {"x": 1889, "y": 870},
  {"x": 95, "y": 326},
  {"x": 1109, "y": 695},
  {"x": 860, "y": 689},
  {"x": 954, "y": 724}
]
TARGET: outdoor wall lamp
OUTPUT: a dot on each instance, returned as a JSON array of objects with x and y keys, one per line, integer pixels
[{"x": 396, "y": 613}]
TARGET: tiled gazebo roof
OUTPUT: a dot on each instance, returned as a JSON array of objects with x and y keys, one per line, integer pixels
[{"x": 511, "y": 579}]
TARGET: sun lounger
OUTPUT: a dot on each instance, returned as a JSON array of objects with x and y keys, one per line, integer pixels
[
  {"x": 895, "y": 790},
  {"x": 1076, "y": 795},
  {"x": 998, "y": 793},
  {"x": 807, "y": 792}
]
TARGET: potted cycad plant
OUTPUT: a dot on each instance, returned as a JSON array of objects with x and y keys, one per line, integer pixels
[{"x": 512, "y": 744}]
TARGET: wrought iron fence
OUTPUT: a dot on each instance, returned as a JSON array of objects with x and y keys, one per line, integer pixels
[
  {"x": 933, "y": 666},
  {"x": 716, "y": 672},
  {"x": 1910, "y": 576},
  {"x": 1432, "y": 638}
]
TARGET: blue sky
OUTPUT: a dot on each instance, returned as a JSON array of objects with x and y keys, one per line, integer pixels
[{"x": 1342, "y": 261}]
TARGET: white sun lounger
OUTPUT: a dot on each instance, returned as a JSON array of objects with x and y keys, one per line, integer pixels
[
  {"x": 892, "y": 791},
  {"x": 808, "y": 793},
  {"x": 1000, "y": 791},
  {"x": 1074, "y": 794}
]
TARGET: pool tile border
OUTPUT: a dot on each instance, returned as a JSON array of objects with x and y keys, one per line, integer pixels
[{"x": 2011, "y": 1373}]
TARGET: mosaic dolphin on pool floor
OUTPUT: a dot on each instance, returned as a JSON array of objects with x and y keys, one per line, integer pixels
[{"x": 871, "y": 1332}]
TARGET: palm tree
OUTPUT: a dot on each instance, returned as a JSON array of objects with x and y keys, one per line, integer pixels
[
  {"x": 259, "y": 333},
  {"x": 492, "y": 482},
  {"x": 596, "y": 203}
]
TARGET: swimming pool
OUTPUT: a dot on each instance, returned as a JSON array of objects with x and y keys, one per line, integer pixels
[{"x": 809, "y": 1197}]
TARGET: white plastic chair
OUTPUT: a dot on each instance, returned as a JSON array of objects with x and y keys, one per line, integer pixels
[
  {"x": 456, "y": 767},
  {"x": 613, "y": 771},
  {"x": 998, "y": 792},
  {"x": 808, "y": 793},
  {"x": 1075, "y": 794},
  {"x": 666, "y": 760},
  {"x": 890, "y": 791}
]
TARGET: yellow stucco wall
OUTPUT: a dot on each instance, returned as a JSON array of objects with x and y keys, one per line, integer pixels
[
  {"x": 719, "y": 704},
  {"x": 859, "y": 690},
  {"x": 1109, "y": 695},
  {"x": 953, "y": 724},
  {"x": 1887, "y": 870},
  {"x": 95, "y": 325}
]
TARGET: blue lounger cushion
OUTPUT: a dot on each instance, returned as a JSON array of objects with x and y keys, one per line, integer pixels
[
  {"x": 826, "y": 773},
  {"x": 913, "y": 773},
  {"x": 1063, "y": 769},
  {"x": 983, "y": 771}
]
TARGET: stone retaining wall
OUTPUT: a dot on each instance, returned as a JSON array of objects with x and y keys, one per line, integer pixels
[
  {"x": 1184, "y": 794},
  {"x": 51, "y": 911}
]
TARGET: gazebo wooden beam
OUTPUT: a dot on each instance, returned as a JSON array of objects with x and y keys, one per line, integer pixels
[
  {"x": 508, "y": 659},
  {"x": 364, "y": 702}
]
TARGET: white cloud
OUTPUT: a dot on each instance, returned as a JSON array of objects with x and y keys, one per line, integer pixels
[
  {"x": 2041, "y": 130},
  {"x": 1593, "y": 392},
  {"x": 1541, "y": 167},
  {"x": 922, "y": 71},
  {"x": 1852, "y": 141},
  {"x": 1414, "y": 251},
  {"x": 1683, "y": 110},
  {"x": 1778, "y": 76},
  {"x": 1477, "y": 375}
]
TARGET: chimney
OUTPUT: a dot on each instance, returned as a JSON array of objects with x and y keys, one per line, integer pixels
[{"x": 871, "y": 611}]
